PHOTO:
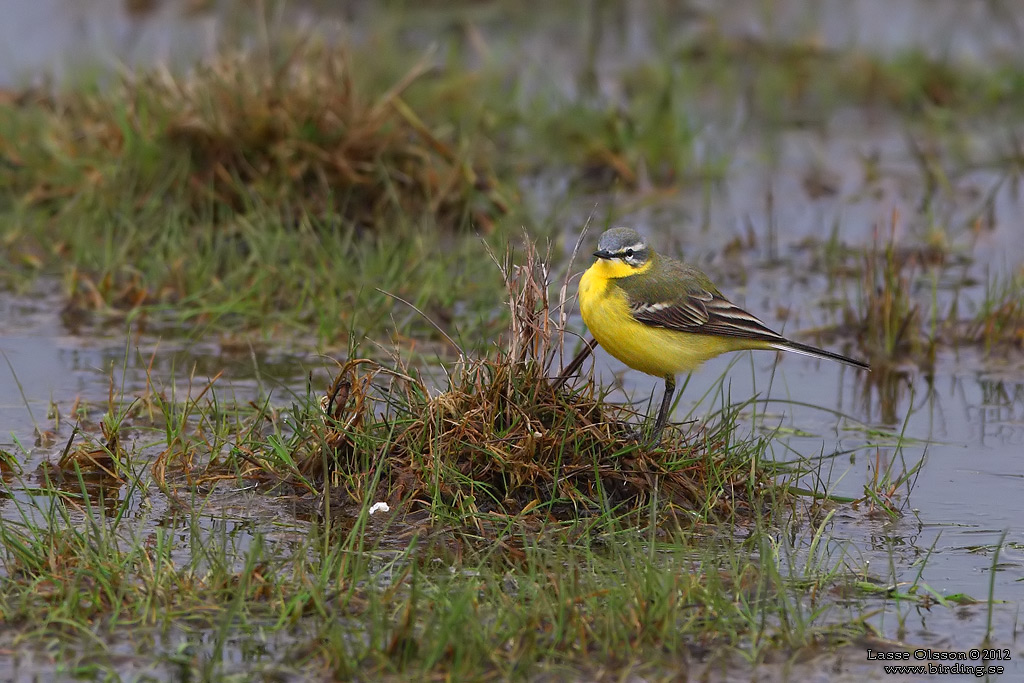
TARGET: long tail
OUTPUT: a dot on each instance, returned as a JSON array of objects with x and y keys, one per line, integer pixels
[{"x": 808, "y": 350}]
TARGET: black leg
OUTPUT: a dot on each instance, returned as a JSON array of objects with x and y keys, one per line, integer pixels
[
  {"x": 666, "y": 403},
  {"x": 574, "y": 364}
]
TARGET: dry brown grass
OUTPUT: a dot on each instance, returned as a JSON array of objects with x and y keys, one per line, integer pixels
[
  {"x": 504, "y": 438},
  {"x": 288, "y": 129}
]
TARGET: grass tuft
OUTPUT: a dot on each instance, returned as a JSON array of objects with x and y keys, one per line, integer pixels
[
  {"x": 503, "y": 438},
  {"x": 999, "y": 324},
  {"x": 892, "y": 321},
  {"x": 288, "y": 127},
  {"x": 525, "y": 530}
]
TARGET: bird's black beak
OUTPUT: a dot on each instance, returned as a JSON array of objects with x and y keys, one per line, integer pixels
[{"x": 603, "y": 253}]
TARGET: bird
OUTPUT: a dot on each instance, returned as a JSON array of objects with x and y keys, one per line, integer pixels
[{"x": 663, "y": 317}]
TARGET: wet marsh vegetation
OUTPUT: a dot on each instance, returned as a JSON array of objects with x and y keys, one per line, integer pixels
[
  {"x": 314, "y": 429},
  {"x": 501, "y": 506}
]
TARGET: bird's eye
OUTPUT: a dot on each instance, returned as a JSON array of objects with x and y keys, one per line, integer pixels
[{"x": 629, "y": 253}]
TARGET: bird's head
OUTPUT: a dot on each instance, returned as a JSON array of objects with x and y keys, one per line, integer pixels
[{"x": 623, "y": 247}]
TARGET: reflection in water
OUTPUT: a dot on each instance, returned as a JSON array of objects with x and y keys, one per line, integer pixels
[
  {"x": 100, "y": 494},
  {"x": 999, "y": 416},
  {"x": 885, "y": 394}
]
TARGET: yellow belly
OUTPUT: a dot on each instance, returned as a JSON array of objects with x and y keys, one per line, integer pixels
[{"x": 654, "y": 350}]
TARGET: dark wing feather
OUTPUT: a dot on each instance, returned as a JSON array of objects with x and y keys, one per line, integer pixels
[
  {"x": 729, "y": 320},
  {"x": 703, "y": 313},
  {"x": 687, "y": 314},
  {"x": 683, "y": 299}
]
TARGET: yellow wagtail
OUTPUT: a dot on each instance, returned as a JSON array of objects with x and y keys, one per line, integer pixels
[{"x": 663, "y": 317}]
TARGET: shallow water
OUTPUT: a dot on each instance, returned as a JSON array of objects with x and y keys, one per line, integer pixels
[
  {"x": 965, "y": 419},
  {"x": 67, "y": 40},
  {"x": 967, "y": 423}
]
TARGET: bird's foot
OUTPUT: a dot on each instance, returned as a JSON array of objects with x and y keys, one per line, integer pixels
[
  {"x": 646, "y": 441},
  {"x": 635, "y": 435}
]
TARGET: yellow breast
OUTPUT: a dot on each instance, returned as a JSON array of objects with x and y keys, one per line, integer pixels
[{"x": 654, "y": 350}]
